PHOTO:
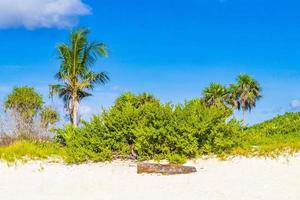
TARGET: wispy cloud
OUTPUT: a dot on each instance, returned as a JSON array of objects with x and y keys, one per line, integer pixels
[
  {"x": 295, "y": 104},
  {"x": 115, "y": 88},
  {"x": 33, "y": 14},
  {"x": 85, "y": 111},
  {"x": 274, "y": 111}
]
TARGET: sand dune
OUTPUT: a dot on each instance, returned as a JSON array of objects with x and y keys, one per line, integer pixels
[{"x": 235, "y": 179}]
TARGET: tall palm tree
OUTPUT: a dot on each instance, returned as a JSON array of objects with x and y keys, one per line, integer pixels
[
  {"x": 75, "y": 73},
  {"x": 248, "y": 91},
  {"x": 215, "y": 93}
]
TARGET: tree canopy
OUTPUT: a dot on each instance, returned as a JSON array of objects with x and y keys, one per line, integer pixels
[{"x": 24, "y": 101}]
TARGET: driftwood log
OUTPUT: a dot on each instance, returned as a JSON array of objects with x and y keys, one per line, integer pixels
[{"x": 168, "y": 169}]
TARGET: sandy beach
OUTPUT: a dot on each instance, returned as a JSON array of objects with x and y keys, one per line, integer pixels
[{"x": 238, "y": 178}]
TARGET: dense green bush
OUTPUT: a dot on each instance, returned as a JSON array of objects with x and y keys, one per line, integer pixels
[
  {"x": 88, "y": 143},
  {"x": 139, "y": 125}
]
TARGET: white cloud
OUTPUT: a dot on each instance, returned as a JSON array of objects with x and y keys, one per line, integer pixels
[
  {"x": 115, "y": 88},
  {"x": 295, "y": 104},
  {"x": 85, "y": 111},
  {"x": 33, "y": 14}
]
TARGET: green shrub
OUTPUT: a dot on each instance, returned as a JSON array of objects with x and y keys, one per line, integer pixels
[
  {"x": 90, "y": 143},
  {"x": 140, "y": 124},
  {"x": 209, "y": 126},
  {"x": 156, "y": 134}
]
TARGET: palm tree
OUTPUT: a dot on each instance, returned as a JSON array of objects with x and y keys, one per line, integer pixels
[
  {"x": 233, "y": 96},
  {"x": 75, "y": 74},
  {"x": 248, "y": 91},
  {"x": 215, "y": 93}
]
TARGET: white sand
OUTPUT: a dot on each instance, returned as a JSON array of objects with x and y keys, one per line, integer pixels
[{"x": 237, "y": 179}]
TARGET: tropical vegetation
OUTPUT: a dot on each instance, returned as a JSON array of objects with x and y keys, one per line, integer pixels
[{"x": 138, "y": 126}]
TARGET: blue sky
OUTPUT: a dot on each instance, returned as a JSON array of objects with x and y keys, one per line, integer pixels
[{"x": 170, "y": 48}]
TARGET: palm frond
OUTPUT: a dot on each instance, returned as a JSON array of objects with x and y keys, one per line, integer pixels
[
  {"x": 91, "y": 78},
  {"x": 215, "y": 93},
  {"x": 54, "y": 89},
  {"x": 82, "y": 94}
]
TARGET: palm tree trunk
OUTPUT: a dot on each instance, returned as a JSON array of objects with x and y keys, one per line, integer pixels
[
  {"x": 244, "y": 117},
  {"x": 74, "y": 113}
]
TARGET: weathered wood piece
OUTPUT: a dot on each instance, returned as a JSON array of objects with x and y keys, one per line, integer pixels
[{"x": 168, "y": 169}]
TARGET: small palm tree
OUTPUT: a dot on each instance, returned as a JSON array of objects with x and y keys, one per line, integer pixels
[
  {"x": 77, "y": 57},
  {"x": 233, "y": 97},
  {"x": 248, "y": 91},
  {"x": 215, "y": 93}
]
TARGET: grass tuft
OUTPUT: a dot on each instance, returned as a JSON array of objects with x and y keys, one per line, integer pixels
[{"x": 24, "y": 150}]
